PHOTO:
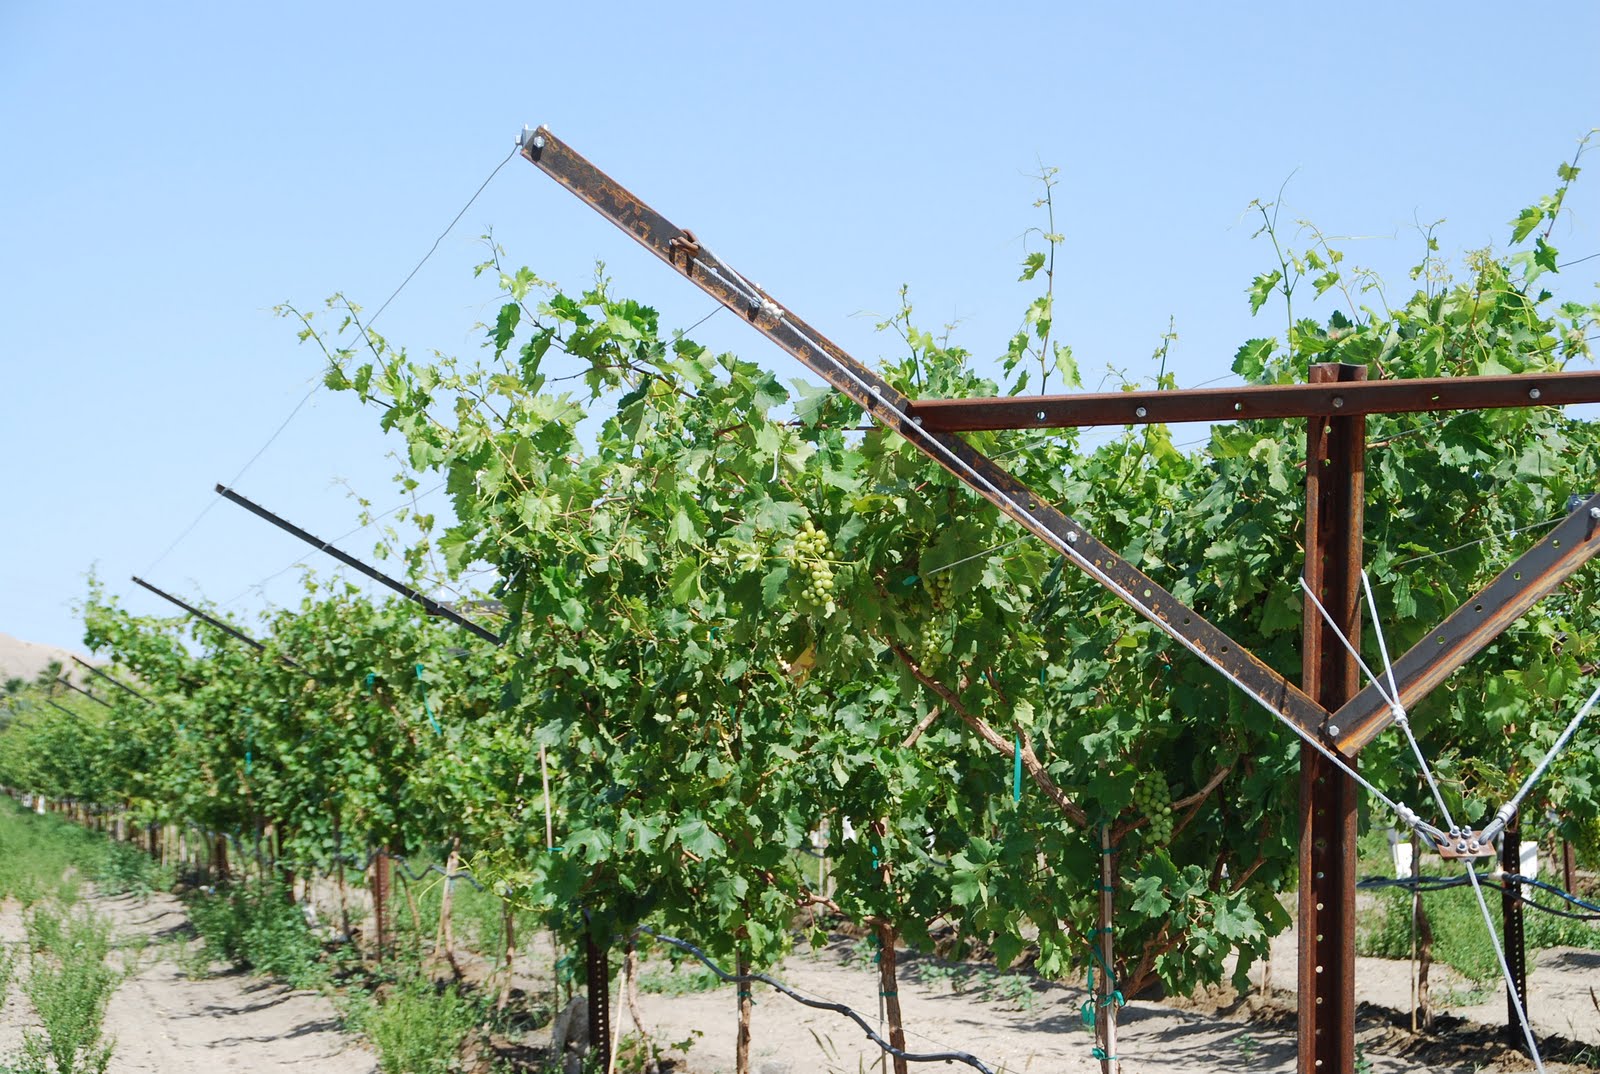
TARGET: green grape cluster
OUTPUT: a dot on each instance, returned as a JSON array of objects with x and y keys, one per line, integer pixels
[
  {"x": 938, "y": 584},
  {"x": 1153, "y": 798},
  {"x": 930, "y": 644},
  {"x": 811, "y": 559}
]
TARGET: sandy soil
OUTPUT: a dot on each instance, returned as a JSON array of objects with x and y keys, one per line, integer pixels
[
  {"x": 1217, "y": 1032},
  {"x": 164, "y": 1022}
]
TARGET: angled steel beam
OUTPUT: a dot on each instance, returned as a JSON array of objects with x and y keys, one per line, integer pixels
[
  {"x": 120, "y": 685},
  {"x": 232, "y": 632},
  {"x": 429, "y": 605},
  {"x": 681, "y": 250},
  {"x": 1534, "y": 575},
  {"x": 69, "y": 684},
  {"x": 1258, "y": 401}
]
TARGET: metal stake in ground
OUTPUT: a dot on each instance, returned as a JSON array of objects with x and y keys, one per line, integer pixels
[
  {"x": 1335, "y": 493},
  {"x": 1511, "y": 921}
]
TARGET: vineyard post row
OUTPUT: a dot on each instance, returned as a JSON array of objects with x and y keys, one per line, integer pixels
[{"x": 1333, "y": 716}]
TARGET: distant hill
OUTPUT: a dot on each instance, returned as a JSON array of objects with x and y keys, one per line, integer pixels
[{"x": 25, "y": 659}]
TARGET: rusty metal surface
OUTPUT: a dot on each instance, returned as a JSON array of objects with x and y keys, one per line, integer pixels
[
  {"x": 1469, "y": 846},
  {"x": 1258, "y": 401},
  {"x": 680, "y": 249},
  {"x": 1516, "y": 951},
  {"x": 1474, "y": 625},
  {"x": 1335, "y": 499},
  {"x": 597, "y": 975}
]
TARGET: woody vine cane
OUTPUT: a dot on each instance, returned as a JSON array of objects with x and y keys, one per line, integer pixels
[{"x": 1331, "y": 716}]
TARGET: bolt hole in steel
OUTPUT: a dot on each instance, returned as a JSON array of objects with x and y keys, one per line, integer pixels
[
  {"x": 1186, "y": 620},
  {"x": 1534, "y": 393},
  {"x": 1338, "y": 401},
  {"x": 1146, "y": 594},
  {"x": 1477, "y": 607},
  {"x": 1238, "y": 407},
  {"x": 1517, "y": 575},
  {"x": 1040, "y": 415},
  {"x": 1141, "y": 412}
]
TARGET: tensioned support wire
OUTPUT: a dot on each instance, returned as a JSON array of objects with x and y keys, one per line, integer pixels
[
  {"x": 1456, "y": 833},
  {"x": 317, "y": 383}
]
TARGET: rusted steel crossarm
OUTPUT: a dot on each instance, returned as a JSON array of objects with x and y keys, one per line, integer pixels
[
  {"x": 69, "y": 684},
  {"x": 427, "y": 603},
  {"x": 680, "y": 249},
  {"x": 1258, "y": 401},
  {"x": 119, "y": 684},
  {"x": 1474, "y": 625}
]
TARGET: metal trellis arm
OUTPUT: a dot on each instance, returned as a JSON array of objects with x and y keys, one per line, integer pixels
[{"x": 680, "y": 249}]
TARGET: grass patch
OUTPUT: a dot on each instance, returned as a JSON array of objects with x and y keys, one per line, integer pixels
[{"x": 1459, "y": 938}]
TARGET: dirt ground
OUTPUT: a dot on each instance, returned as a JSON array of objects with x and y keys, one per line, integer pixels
[{"x": 163, "y": 1021}]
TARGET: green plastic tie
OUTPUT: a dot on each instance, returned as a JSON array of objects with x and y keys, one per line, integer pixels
[
  {"x": 912, "y": 580},
  {"x": 888, "y": 993},
  {"x": 432, "y": 719},
  {"x": 1016, "y": 770},
  {"x": 372, "y": 677}
]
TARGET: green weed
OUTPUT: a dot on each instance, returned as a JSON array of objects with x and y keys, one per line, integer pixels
[
  {"x": 254, "y": 925},
  {"x": 69, "y": 984},
  {"x": 417, "y": 1028}
]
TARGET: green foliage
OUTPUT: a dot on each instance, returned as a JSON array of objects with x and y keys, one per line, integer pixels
[
  {"x": 1460, "y": 940},
  {"x": 69, "y": 983},
  {"x": 254, "y": 926},
  {"x": 45, "y": 857},
  {"x": 731, "y": 618},
  {"x": 419, "y": 1028}
]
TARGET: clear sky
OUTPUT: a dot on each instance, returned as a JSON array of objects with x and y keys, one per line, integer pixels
[{"x": 174, "y": 171}]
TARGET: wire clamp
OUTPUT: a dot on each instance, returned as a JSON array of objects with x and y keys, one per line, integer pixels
[
  {"x": 1464, "y": 845},
  {"x": 686, "y": 245}
]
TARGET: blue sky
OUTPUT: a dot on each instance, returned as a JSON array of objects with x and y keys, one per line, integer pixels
[{"x": 174, "y": 171}]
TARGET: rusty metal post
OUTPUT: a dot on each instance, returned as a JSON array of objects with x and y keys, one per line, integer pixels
[
  {"x": 1335, "y": 494},
  {"x": 597, "y": 969},
  {"x": 1511, "y": 921}
]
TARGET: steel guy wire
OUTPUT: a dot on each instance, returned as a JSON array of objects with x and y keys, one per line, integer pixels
[
  {"x": 1400, "y": 809},
  {"x": 1505, "y": 968},
  {"x": 976, "y": 479},
  {"x": 1399, "y": 710},
  {"x": 317, "y": 384},
  {"x": 1503, "y": 817}
]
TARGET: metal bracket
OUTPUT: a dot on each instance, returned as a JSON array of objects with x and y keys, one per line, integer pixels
[{"x": 1465, "y": 846}]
